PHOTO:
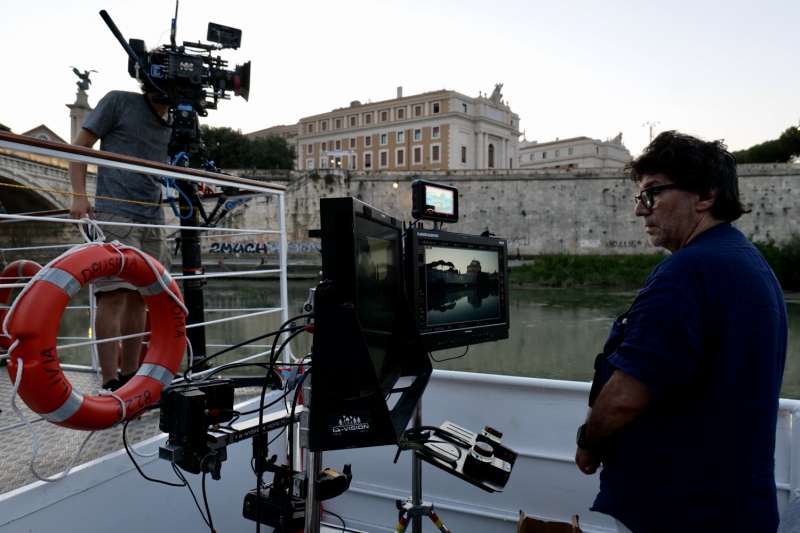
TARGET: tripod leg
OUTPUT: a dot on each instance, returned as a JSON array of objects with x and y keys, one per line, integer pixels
[{"x": 438, "y": 522}]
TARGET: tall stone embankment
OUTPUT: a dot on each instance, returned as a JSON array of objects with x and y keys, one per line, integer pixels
[{"x": 545, "y": 212}]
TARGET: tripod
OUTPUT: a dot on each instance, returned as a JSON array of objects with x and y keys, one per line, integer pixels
[{"x": 413, "y": 509}]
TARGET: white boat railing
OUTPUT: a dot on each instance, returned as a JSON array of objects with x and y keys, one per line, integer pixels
[{"x": 70, "y": 153}]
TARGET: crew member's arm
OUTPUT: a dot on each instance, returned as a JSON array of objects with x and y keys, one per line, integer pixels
[
  {"x": 77, "y": 177},
  {"x": 620, "y": 401}
]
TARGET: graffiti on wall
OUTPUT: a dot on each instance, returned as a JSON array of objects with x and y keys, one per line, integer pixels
[{"x": 261, "y": 248}]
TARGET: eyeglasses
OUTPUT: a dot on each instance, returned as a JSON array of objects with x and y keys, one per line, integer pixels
[{"x": 648, "y": 196}]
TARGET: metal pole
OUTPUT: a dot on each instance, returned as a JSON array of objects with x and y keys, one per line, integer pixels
[
  {"x": 312, "y": 460},
  {"x": 192, "y": 264},
  {"x": 416, "y": 476}
]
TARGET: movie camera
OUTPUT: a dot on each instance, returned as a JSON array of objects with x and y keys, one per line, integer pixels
[
  {"x": 187, "y": 77},
  {"x": 390, "y": 294}
]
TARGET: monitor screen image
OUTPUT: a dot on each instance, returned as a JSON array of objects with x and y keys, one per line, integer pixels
[
  {"x": 376, "y": 279},
  {"x": 439, "y": 200},
  {"x": 463, "y": 285}
]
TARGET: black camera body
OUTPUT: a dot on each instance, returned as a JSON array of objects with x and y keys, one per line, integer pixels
[
  {"x": 187, "y": 77},
  {"x": 189, "y": 74}
]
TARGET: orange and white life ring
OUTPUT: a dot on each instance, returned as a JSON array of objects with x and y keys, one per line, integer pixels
[
  {"x": 14, "y": 271},
  {"x": 34, "y": 322}
]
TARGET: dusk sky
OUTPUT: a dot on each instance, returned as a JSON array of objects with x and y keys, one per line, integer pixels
[{"x": 719, "y": 70}]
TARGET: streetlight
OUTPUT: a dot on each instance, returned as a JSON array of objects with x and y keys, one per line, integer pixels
[{"x": 651, "y": 125}]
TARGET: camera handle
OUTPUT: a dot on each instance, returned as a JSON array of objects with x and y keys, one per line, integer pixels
[{"x": 113, "y": 27}]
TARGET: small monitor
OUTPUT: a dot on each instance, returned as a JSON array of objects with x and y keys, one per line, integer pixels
[
  {"x": 434, "y": 201},
  {"x": 458, "y": 286}
]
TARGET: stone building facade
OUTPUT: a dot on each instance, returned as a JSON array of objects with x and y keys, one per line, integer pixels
[
  {"x": 438, "y": 130},
  {"x": 575, "y": 152}
]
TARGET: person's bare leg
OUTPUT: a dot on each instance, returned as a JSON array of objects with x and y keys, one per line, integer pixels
[
  {"x": 110, "y": 307},
  {"x": 132, "y": 321}
]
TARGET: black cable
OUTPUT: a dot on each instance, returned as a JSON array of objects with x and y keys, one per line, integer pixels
[
  {"x": 344, "y": 524},
  {"x": 277, "y": 333},
  {"x": 138, "y": 468},
  {"x": 191, "y": 491},
  {"x": 205, "y": 496},
  {"x": 448, "y": 358}
]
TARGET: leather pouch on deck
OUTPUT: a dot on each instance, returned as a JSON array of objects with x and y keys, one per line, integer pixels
[{"x": 528, "y": 524}]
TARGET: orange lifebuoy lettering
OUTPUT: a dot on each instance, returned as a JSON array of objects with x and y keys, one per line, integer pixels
[{"x": 35, "y": 322}]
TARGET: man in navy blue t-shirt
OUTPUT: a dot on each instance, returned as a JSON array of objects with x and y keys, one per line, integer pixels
[{"x": 685, "y": 397}]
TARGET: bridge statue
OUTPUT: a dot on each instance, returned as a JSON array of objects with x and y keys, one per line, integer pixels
[
  {"x": 497, "y": 96},
  {"x": 83, "y": 78}
]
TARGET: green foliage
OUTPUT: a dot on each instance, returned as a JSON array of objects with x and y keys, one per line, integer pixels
[
  {"x": 229, "y": 149},
  {"x": 626, "y": 271},
  {"x": 784, "y": 260},
  {"x": 779, "y": 150},
  {"x": 3, "y": 127}
]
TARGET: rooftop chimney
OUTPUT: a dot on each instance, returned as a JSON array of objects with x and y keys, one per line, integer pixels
[{"x": 400, "y": 92}]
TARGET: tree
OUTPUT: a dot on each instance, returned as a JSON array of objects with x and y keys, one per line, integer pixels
[
  {"x": 228, "y": 148},
  {"x": 3, "y": 127},
  {"x": 779, "y": 150}
]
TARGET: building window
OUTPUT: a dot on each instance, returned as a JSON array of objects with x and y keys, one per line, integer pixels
[
  {"x": 338, "y": 145},
  {"x": 352, "y": 159},
  {"x": 417, "y": 155},
  {"x": 401, "y": 137},
  {"x": 324, "y": 146},
  {"x": 400, "y": 157},
  {"x": 367, "y": 160},
  {"x": 465, "y": 107},
  {"x": 400, "y": 113},
  {"x": 367, "y": 140},
  {"x": 353, "y": 121},
  {"x": 352, "y": 142},
  {"x": 383, "y": 158},
  {"x": 384, "y": 116},
  {"x": 367, "y": 118},
  {"x": 309, "y": 164},
  {"x": 323, "y": 163},
  {"x": 384, "y": 139},
  {"x": 338, "y": 124},
  {"x": 558, "y": 152},
  {"x": 324, "y": 125},
  {"x": 309, "y": 149},
  {"x": 435, "y": 153},
  {"x": 309, "y": 128},
  {"x": 569, "y": 151},
  {"x": 418, "y": 110},
  {"x": 491, "y": 156},
  {"x": 463, "y": 154},
  {"x": 597, "y": 149},
  {"x": 435, "y": 107},
  {"x": 417, "y": 135},
  {"x": 544, "y": 155},
  {"x": 531, "y": 157},
  {"x": 435, "y": 132}
]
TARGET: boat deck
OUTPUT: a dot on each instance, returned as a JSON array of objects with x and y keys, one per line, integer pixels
[{"x": 59, "y": 445}]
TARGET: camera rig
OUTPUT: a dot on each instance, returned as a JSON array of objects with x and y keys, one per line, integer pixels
[{"x": 187, "y": 77}]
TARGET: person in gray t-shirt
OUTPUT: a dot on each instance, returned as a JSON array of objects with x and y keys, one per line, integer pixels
[{"x": 129, "y": 124}]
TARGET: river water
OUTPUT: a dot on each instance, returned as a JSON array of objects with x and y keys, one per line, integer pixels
[{"x": 555, "y": 333}]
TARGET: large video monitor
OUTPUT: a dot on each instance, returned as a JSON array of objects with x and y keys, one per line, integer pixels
[
  {"x": 458, "y": 286},
  {"x": 364, "y": 338}
]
